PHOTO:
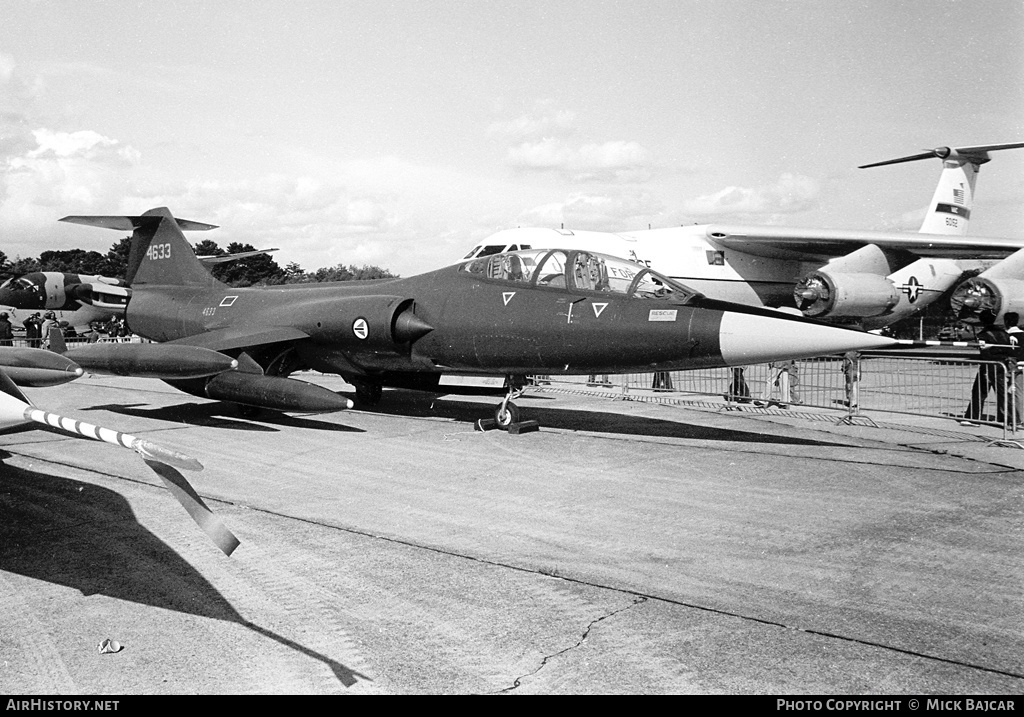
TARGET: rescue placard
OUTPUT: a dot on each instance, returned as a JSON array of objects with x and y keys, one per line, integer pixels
[{"x": 662, "y": 315}]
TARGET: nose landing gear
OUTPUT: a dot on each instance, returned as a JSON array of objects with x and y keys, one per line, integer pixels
[{"x": 507, "y": 414}]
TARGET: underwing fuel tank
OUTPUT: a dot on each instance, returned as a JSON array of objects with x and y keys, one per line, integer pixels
[
  {"x": 151, "y": 360},
  {"x": 35, "y": 368},
  {"x": 274, "y": 392}
]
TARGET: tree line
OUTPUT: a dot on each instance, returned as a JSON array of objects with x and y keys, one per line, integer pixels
[{"x": 256, "y": 270}]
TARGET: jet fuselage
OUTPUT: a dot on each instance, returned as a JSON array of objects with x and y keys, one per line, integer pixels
[{"x": 480, "y": 317}]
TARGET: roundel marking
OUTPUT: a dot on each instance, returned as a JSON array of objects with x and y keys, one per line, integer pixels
[
  {"x": 360, "y": 328},
  {"x": 912, "y": 289}
]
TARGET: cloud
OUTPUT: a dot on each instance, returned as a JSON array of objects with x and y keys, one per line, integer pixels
[
  {"x": 615, "y": 161},
  {"x": 790, "y": 194},
  {"x": 599, "y": 212},
  {"x": 548, "y": 153},
  {"x": 84, "y": 144},
  {"x": 17, "y": 92},
  {"x": 61, "y": 171},
  {"x": 613, "y": 155},
  {"x": 544, "y": 121},
  {"x": 539, "y": 142},
  {"x": 6, "y": 68}
]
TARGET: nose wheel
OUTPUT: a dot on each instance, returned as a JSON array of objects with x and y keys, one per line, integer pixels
[{"x": 506, "y": 415}]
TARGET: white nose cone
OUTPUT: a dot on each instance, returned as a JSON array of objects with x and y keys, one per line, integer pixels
[{"x": 748, "y": 339}]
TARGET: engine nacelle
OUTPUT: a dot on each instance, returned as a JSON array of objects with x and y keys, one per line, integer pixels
[
  {"x": 100, "y": 295},
  {"x": 370, "y": 323},
  {"x": 839, "y": 295},
  {"x": 982, "y": 293}
]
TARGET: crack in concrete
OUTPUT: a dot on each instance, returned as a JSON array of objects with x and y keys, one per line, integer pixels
[{"x": 637, "y": 600}]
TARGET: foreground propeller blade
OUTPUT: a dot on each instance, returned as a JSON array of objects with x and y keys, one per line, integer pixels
[
  {"x": 164, "y": 461},
  {"x": 185, "y": 494},
  {"x": 125, "y": 440}
]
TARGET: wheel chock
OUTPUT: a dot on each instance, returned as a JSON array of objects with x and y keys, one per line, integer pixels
[
  {"x": 486, "y": 424},
  {"x": 523, "y": 427}
]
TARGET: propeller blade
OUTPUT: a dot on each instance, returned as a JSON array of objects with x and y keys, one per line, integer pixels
[
  {"x": 125, "y": 440},
  {"x": 185, "y": 494},
  {"x": 978, "y": 149},
  {"x": 911, "y": 158},
  {"x": 164, "y": 461}
]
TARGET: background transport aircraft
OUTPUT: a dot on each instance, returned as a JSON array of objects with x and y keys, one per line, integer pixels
[
  {"x": 866, "y": 278},
  {"x": 25, "y": 367},
  {"x": 501, "y": 317},
  {"x": 62, "y": 291},
  {"x": 84, "y": 297}
]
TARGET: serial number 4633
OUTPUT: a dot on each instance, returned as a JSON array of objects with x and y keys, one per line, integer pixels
[{"x": 158, "y": 251}]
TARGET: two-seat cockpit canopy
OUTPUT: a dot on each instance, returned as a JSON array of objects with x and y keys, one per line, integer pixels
[
  {"x": 19, "y": 283},
  {"x": 579, "y": 271}
]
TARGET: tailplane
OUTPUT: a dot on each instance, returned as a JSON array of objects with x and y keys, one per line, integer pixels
[
  {"x": 160, "y": 253},
  {"x": 950, "y": 209}
]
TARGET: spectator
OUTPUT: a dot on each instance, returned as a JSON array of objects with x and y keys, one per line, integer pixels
[
  {"x": 33, "y": 330},
  {"x": 1011, "y": 319},
  {"x": 49, "y": 320},
  {"x": 996, "y": 350},
  {"x": 6, "y": 330}
]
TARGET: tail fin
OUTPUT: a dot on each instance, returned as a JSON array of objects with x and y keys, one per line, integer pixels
[
  {"x": 160, "y": 254},
  {"x": 950, "y": 210}
]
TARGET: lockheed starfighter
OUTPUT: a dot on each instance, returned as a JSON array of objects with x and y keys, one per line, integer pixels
[{"x": 509, "y": 315}]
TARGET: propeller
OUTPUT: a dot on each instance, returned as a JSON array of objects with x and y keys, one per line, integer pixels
[
  {"x": 976, "y": 153},
  {"x": 14, "y": 408},
  {"x": 973, "y": 297},
  {"x": 811, "y": 291}
]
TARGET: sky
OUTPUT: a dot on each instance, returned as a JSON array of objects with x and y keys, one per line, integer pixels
[{"x": 399, "y": 133}]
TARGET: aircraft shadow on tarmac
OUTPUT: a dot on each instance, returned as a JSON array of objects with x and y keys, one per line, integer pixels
[
  {"x": 434, "y": 405},
  {"x": 219, "y": 415},
  {"x": 86, "y": 537},
  {"x": 419, "y": 404}
]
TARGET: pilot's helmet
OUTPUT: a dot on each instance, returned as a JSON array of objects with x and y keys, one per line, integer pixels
[
  {"x": 3, "y": 314},
  {"x": 49, "y": 315}
]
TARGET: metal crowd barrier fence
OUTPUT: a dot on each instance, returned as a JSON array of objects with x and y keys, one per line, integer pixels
[
  {"x": 76, "y": 341},
  {"x": 852, "y": 383},
  {"x": 933, "y": 387}
]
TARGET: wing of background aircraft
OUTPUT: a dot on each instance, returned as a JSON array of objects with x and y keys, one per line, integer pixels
[
  {"x": 208, "y": 259},
  {"x": 871, "y": 278},
  {"x": 802, "y": 244},
  {"x": 36, "y": 367}
]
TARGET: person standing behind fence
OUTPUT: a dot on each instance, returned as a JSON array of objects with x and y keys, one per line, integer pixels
[
  {"x": 738, "y": 389},
  {"x": 996, "y": 348},
  {"x": 787, "y": 379},
  {"x": 49, "y": 319},
  {"x": 33, "y": 329},
  {"x": 6, "y": 330},
  {"x": 1011, "y": 319}
]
